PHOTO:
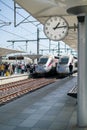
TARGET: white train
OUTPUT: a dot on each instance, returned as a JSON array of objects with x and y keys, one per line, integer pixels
[
  {"x": 46, "y": 65},
  {"x": 63, "y": 65}
]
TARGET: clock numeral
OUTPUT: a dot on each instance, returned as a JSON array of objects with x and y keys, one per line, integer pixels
[
  {"x": 51, "y": 35},
  {"x": 48, "y": 24},
  {"x": 55, "y": 37},
  {"x": 46, "y": 28},
  {"x": 55, "y": 18},
  {"x": 63, "y": 23},
  {"x": 47, "y": 32},
  {"x": 59, "y": 35},
  {"x": 51, "y": 20}
]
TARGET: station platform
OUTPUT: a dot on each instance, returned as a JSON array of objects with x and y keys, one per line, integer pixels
[
  {"x": 13, "y": 78},
  {"x": 48, "y": 108}
]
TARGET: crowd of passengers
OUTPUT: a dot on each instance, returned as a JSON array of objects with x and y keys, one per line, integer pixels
[{"x": 7, "y": 69}]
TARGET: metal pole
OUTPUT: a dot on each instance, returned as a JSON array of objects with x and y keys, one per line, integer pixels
[
  {"x": 58, "y": 48},
  {"x": 82, "y": 72},
  {"x": 37, "y": 42},
  {"x": 49, "y": 45},
  {"x": 13, "y": 45},
  {"x": 26, "y": 45},
  {"x": 14, "y": 14}
]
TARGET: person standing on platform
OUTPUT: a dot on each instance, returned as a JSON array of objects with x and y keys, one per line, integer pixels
[
  {"x": 2, "y": 69},
  {"x": 70, "y": 68}
]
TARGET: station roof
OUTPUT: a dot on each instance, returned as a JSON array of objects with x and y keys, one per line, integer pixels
[
  {"x": 5, "y": 51},
  {"x": 43, "y": 9}
]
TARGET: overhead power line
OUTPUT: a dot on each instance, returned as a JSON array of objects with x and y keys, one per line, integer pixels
[
  {"x": 13, "y": 33},
  {"x": 17, "y": 12}
]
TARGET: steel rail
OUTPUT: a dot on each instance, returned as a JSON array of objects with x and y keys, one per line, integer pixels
[{"x": 16, "y": 89}]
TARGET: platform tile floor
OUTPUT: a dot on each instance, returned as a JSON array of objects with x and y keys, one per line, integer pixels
[{"x": 49, "y": 108}]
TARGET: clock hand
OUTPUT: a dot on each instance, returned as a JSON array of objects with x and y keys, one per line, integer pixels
[
  {"x": 60, "y": 27},
  {"x": 56, "y": 26}
]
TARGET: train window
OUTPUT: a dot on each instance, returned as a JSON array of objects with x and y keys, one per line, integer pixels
[
  {"x": 16, "y": 58},
  {"x": 64, "y": 60},
  {"x": 43, "y": 61},
  {"x": 56, "y": 57}
]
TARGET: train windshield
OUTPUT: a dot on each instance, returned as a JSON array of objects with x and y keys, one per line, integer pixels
[
  {"x": 43, "y": 61},
  {"x": 64, "y": 60}
]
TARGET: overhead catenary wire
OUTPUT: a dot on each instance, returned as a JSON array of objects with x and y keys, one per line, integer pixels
[
  {"x": 18, "y": 14},
  {"x": 19, "y": 26},
  {"x": 13, "y": 33}
]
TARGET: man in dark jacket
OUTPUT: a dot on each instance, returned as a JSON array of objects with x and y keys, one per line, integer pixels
[{"x": 70, "y": 68}]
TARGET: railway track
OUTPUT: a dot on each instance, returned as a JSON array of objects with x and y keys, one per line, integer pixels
[{"x": 14, "y": 90}]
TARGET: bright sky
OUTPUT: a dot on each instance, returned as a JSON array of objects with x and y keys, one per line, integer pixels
[{"x": 24, "y": 31}]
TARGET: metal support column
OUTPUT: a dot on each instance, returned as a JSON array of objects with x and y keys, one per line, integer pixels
[
  {"x": 37, "y": 42},
  {"x": 12, "y": 45},
  {"x": 81, "y": 12},
  {"x": 14, "y": 14},
  {"x": 49, "y": 45},
  {"x": 58, "y": 48},
  {"x": 82, "y": 72},
  {"x": 26, "y": 45}
]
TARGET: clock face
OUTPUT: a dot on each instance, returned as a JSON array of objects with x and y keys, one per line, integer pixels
[{"x": 56, "y": 28}]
